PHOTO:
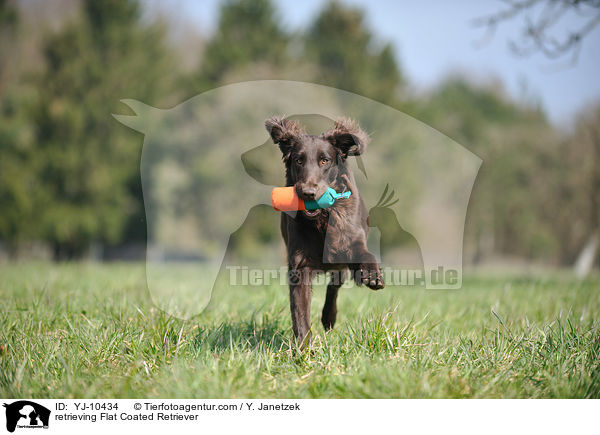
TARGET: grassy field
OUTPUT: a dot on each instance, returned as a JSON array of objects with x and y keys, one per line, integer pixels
[{"x": 89, "y": 330}]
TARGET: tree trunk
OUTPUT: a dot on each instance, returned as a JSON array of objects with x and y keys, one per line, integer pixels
[{"x": 587, "y": 258}]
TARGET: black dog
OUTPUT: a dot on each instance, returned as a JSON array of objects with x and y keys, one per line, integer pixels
[{"x": 333, "y": 239}]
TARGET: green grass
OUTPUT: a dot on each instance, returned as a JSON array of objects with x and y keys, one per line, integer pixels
[{"x": 89, "y": 330}]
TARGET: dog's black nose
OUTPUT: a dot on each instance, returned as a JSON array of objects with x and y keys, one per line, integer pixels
[{"x": 309, "y": 192}]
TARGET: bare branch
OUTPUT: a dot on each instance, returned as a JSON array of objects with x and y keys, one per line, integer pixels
[{"x": 541, "y": 18}]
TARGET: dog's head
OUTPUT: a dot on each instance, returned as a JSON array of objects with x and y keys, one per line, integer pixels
[{"x": 315, "y": 163}]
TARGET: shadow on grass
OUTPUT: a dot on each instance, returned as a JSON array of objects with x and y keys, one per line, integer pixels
[{"x": 266, "y": 334}]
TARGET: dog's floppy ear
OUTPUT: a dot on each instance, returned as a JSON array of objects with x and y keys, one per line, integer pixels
[
  {"x": 347, "y": 137},
  {"x": 284, "y": 133}
]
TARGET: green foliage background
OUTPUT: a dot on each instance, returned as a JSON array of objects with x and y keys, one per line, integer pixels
[{"x": 69, "y": 173}]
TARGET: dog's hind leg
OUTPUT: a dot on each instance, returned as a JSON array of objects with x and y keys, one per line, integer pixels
[{"x": 329, "y": 313}]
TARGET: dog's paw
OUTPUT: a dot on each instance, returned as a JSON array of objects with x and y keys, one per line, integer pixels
[{"x": 370, "y": 275}]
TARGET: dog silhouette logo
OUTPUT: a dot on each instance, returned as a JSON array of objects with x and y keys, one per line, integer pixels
[
  {"x": 208, "y": 163},
  {"x": 26, "y": 414}
]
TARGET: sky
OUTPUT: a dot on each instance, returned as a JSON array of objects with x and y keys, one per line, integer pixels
[{"x": 434, "y": 39}]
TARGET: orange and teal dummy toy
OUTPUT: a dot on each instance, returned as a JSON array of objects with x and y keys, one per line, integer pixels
[{"x": 286, "y": 199}]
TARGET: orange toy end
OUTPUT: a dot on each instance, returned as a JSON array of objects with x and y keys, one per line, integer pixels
[{"x": 286, "y": 199}]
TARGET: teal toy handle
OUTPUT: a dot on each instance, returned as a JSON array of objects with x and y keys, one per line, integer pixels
[{"x": 326, "y": 200}]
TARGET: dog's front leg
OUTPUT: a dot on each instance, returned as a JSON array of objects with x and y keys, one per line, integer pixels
[
  {"x": 365, "y": 268},
  {"x": 300, "y": 295}
]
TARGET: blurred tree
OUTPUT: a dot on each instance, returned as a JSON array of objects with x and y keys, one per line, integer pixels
[
  {"x": 248, "y": 32},
  {"x": 581, "y": 171},
  {"x": 511, "y": 212},
  {"x": 16, "y": 196},
  {"x": 86, "y": 166},
  {"x": 8, "y": 25},
  {"x": 249, "y": 43},
  {"x": 348, "y": 56}
]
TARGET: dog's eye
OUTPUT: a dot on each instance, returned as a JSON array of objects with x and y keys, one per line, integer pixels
[
  {"x": 299, "y": 161},
  {"x": 323, "y": 161}
]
